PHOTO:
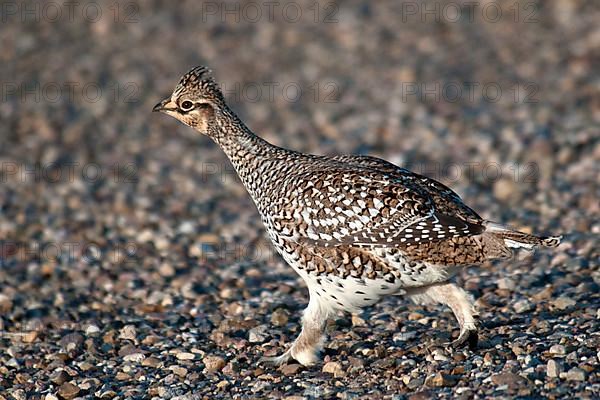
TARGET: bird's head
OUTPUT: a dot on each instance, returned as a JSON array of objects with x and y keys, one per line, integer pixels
[{"x": 195, "y": 101}]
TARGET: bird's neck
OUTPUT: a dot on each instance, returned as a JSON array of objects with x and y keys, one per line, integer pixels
[{"x": 247, "y": 152}]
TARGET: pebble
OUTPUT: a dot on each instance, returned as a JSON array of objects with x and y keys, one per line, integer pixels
[
  {"x": 29, "y": 337},
  {"x": 122, "y": 376},
  {"x": 151, "y": 362},
  {"x": 357, "y": 320},
  {"x": 179, "y": 371},
  {"x": 554, "y": 368},
  {"x": 128, "y": 332},
  {"x": 334, "y": 368},
  {"x": 257, "y": 334},
  {"x": 441, "y": 380},
  {"x": 68, "y": 390},
  {"x": 185, "y": 356},
  {"x": 59, "y": 377},
  {"x": 290, "y": 369},
  {"x": 134, "y": 357},
  {"x": 279, "y": 317},
  {"x": 558, "y": 349},
  {"x": 506, "y": 283},
  {"x": 213, "y": 363},
  {"x": 574, "y": 374},
  {"x": 404, "y": 336},
  {"x": 562, "y": 303},
  {"x": 92, "y": 329},
  {"x": 71, "y": 341},
  {"x": 523, "y": 306},
  {"x": 510, "y": 379}
]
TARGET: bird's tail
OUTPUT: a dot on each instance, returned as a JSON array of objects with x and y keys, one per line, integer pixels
[{"x": 520, "y": 240}]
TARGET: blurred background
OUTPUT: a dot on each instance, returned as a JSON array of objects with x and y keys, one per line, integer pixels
[{"x": 126, "y": 237}]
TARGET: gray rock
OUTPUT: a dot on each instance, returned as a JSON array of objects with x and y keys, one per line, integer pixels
[
  {"x": 574, "y": 374},
  {"x": 523, "y": 306},
  {"x": 258, "y": 334},
  {"x": 554, "y": 368}
]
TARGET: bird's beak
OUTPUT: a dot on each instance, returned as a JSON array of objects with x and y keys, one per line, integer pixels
[{"x": 165, "y": 105}]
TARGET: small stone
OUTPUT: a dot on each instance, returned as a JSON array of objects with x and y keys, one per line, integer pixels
[
  {"x": 334, "y": 368},
  {"x": 257, "y": 334},
  {"x": 151, "y": 362},
  {"x": 71, "y": 341},
  {"x": 575, "y": 374},
  {"x": 128, "y": 349},
  {"x": 415, "y": 383},
  {"x": 222, "y": 385},
  {"x": 562, "y": 303},
  {"x": 68, "y": 391},
  {"x": 415, "y": 316},
  {"x": 506, "y": 283},
  {"x": 421, "y": 395},
  {"x": 441, "y": 380},
  {"x": 122, "y": 376},
  {"x": 510, "y": 379},
  {"x": 290, "y": 369},
  {"x": 558, "y": 349},
  {"x": 279, "y": 317},
  {"x": 134, "y": 357},
  {"x": 13, "y": 362},
  {"x": 439, "y": 355},
  {"x": 554, "y": 368},
  {"x": 85, "y": 366},
  {"x": 213, "y": 363},
  {"x": 50, "y": 396},
  {"x": 179, "y": 371},
  {"x": 18, "y": 394},
  {"x": 185, "y": 356},
  {"x": 29, "y": 337},
  {"x": 404, "y": 336},
  {"x": 109, "y": 337},
  {"x": 166, "y": 270},
  {"x": 128, "y": 332},
  {"x": 186, "y": 228},
  {"x": 6, "y": 304},
  {"x": 523, "y": 306},
  {"x": 92, "y": 329},
  {"x": 59, "y": 377},
  {"x": 358, "y": 321},
  {"x": 89, "y": 383}
]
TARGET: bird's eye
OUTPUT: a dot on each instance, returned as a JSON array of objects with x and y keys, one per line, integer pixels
[{"x": 187, "y": 105}]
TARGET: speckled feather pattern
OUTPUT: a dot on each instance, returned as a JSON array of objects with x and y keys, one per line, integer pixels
[{"x": 355, "y": 228}]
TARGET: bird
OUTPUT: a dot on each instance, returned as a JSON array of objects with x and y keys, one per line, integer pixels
[{"x": 356, "y": 228}]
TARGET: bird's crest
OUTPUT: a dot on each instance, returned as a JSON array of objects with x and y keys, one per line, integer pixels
[{"x": 198, "y": 79}]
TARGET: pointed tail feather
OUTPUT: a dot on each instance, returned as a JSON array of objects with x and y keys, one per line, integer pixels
[{"x": 515, "y": 239}]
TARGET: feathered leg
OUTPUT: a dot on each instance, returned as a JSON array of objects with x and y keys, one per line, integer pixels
[
  {"x": 306, "y": 347},
  {"x": 458, "y": 300}
]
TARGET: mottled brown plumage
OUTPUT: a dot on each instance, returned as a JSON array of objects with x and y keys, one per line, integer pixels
[{"x": 355, "y": 228}]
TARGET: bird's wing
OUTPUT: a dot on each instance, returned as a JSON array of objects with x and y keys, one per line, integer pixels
[
  {"x": 345, "y": 204},
  {"x": 445, "y": 200}
]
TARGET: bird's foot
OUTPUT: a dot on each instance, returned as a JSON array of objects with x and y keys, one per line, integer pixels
[
  {"x": 468, "y": 335},
  {"x": 306, "y": 358},
  {"x": 277, "y": 360}
]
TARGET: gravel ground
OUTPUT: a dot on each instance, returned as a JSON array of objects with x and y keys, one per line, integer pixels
[{"x": 134, "y": 265}]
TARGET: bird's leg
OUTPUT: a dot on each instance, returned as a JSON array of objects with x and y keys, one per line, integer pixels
[
  {"x": 307, "y": 345},
  {"x": 459, "y": 301}
]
